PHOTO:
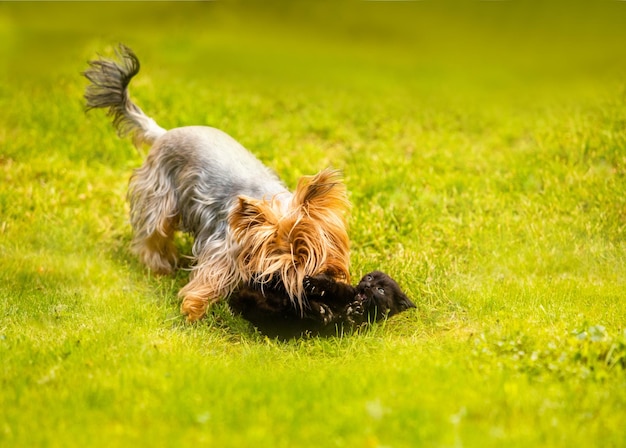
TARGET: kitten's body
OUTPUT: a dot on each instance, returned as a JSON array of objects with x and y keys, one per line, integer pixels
[{"x": 333, "y": 306}]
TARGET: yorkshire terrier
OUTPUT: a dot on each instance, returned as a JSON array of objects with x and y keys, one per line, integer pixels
[
  {"x": 248, "y": 228},
  {"x": 334, "y": 306}
]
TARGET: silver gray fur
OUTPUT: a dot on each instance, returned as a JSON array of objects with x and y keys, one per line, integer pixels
[{"x": 205, "y": 169}]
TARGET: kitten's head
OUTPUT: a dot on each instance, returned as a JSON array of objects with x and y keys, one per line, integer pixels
[
  {"x": 305, "y": 238},
  {"x": 381, "y": 295}
]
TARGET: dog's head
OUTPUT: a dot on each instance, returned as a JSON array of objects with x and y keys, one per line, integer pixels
[{"x": 306, "y": 238}]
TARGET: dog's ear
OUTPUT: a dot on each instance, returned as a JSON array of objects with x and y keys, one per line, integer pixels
[
  {"x": 324, "y": 191},
  {"x": 250, "y": 213},
  {"x": 322, "y": 203}
]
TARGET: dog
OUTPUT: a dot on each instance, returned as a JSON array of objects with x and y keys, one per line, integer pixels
[{"x": 247, "y": 226}]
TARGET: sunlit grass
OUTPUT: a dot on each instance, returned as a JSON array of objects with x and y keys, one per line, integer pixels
[{"x": 484, "y": 153}]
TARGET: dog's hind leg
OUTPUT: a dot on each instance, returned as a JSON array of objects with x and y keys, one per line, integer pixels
[
  {"x": 157, "y": 250},
  {"x": 154, "y": 217}
]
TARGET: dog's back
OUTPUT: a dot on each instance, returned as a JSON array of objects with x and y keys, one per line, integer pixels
[
  {"x": 206, "y": 155},
  {"x": 209, "y": 170}
]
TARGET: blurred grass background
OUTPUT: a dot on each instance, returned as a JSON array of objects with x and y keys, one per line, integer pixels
[
  {"x": 483, "y": 148},
  {"x": 488, "y": 45}
]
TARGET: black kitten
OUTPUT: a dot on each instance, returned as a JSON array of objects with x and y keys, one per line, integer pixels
[{"x": 333, "y": 305}]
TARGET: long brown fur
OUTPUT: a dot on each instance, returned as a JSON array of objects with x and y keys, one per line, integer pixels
[{"x": 312, "y": 235}]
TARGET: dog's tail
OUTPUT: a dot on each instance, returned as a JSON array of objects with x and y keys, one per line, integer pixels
[{"x": 109, "y": 89}]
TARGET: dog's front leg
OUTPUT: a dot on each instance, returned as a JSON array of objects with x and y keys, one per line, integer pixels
[
  {"x": 213, "y": 278},
  {"x": 198, "y": 295},
  {"x": 194, "y": 305}
]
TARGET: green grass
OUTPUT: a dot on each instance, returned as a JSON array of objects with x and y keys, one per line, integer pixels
[{"x": 484, "y": 148}]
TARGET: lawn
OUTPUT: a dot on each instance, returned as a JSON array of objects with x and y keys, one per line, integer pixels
[{"x": 484, "y": 148}]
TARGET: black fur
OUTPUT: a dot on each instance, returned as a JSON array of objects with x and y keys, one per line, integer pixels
[{"x": 333, "y": 306}]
